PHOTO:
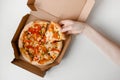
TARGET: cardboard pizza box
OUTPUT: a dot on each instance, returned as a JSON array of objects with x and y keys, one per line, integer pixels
[{"x": 50, "y": 10}]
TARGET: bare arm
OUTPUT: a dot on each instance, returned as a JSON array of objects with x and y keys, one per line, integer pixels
[{"x": 107, "y": 46}]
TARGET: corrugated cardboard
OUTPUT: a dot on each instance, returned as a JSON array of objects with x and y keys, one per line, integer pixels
[
  {"x": 64, "y": 9},
  {"x": 50, "y": 10}
]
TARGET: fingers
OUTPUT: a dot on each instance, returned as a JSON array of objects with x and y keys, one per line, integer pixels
[
  {"x": 69, "y": 32},
  {"x": 67, "y": 28},
  {"x": 66, "y": 25},
  {"x": 66, "y": 22},
  {"x": 73, "y": 32}
]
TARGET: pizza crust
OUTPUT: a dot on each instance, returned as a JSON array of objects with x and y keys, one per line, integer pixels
[{"x": 25, "y": 55}]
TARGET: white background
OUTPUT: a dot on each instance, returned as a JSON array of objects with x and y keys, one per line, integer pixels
[{"x": 83, "y": 61}]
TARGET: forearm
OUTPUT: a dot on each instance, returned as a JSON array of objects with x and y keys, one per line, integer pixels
[{"x": 107, "y": 46}]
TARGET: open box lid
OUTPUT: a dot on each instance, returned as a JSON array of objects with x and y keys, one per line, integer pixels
[{"x": 64, "y": 9}]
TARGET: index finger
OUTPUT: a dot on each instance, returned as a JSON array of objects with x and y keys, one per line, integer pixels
[{"x": 66, "y": 22}]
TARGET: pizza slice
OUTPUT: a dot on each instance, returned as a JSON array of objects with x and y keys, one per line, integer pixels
[
  {"x": 49, "y": 52},
  {"x": 42, "y": 57},
  {"x": 54, "y": 33},
  {"x": 54, "y": 49},
  {"x": 31, "y": 37}
]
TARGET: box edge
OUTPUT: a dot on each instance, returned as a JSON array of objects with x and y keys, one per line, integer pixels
[{"x": 86, "y": 10}]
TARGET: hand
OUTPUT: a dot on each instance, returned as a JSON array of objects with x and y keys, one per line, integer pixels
[{"x": 72, "y": 27}]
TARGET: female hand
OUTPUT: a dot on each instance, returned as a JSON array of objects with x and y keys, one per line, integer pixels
[{"x": 72, "y": 27}]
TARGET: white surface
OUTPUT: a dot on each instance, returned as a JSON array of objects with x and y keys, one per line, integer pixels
[{"x": 83, "y": 61}]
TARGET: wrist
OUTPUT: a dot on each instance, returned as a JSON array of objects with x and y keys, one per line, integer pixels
[{"x": 85, "y": 27}]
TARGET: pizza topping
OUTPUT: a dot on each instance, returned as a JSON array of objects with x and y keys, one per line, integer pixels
[
  {"x": 35, "y": 29},
  {"x": 54, "y": 49},
  {"x": 41, "y": 42},
  {"x": 56, "y": 35},
  {"x": 43, "y": 61},
  {"x": 36, "y": 58},
  {"x": 53, "y": 56}
]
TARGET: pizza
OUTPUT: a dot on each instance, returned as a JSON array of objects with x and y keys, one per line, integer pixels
[{"x": 41, "y": 42}]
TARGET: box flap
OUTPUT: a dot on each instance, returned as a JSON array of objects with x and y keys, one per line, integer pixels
[
  {"x": 29, "y": 67},
  {"x": 44, "y": 15},
  {"x": 64, "y": 9},
  {"x": 86, "y": 10},
  {"x": 14, "y": 41}
]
